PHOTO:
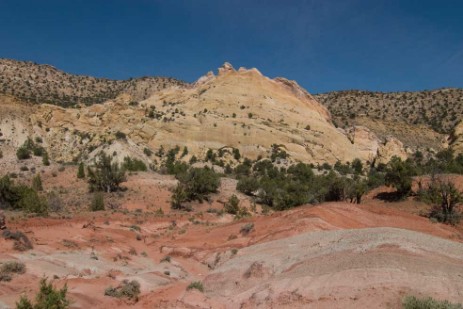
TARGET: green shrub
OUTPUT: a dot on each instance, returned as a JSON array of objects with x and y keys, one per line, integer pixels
[
  {"x": 399, "y": 175},
  {"x": 128, "y": 289},
  {"x": 195, "y": 184},
  {"x": 232, "y": 206},
  {"x": 23, "y": 153},
  {"x": 444, "y": 197},
  {"x": 236, "y": 154},
  {"x": 31, "y": 202},
  {"x": 147, "y": 152},
  {"x": 97, "y": 202},
  {"x": 196, "y": 285},
  {"x": 37, "y": 183},
  {"x": 120, "y": 135},
  {"x": 13, "y": 267},
  {"x": 412, "y": 302},
  {"x": 45, "y": 159},
  {"x": 105, "y": 176},
  {"x": 184, "y": 152},
  {"x": 38, "y": 151},
  {"x": 81, "y": 171},
  {"x": 134, "y": 165},
  {"x": 247, "y": 228},
  {"x": 47, "y": 297}
]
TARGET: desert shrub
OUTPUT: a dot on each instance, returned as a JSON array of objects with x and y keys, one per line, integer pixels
[
  {"x": 184, "y": 152},
  {"x": 194, "y": 184},
  {"x": 13, "y": 267},
  {"x": 193, "y": 160},
  {"x": 196, "y": 285},
  {"x": 342, "y": 169},
  {"x": 232, "y": 206},
  {"x": 412, "y": 302},
  {"x": 45, "y": 159},
  {"x": 210, "y": 155},
  {"x": 23, "y": 153},
  {"x": 134, "y": 165},
  {"x": 247, "y": 185},
  {"x": 37, "y": 183},
  {"x": 97, "y": 203},
  {"x": 31, "y": 202},
  {"x": 81, "y": 171},
  {"x": 1, "y": 154},
  {"x": 165, "y": 259},
  {"x": 128, "y": 289},
  {"x": 21, "y": 242},
  {"x": 399, "y": 175},
  {"x": 105, "y": 176},
  {"x": 444, "y": 197},
  {"x": 38, "y": 139},
  {"x": 38, "y": 151},
  {"x": 120, "y": 135},
  {"x": 236, "y": 154},
  {"x": 247, "y": 228},
  {"x": 357, "y": 166},
  {"x": 147, "y": 152},
  {"x": 277, "y": 153},
  {"x": 55, "y": 204},
  {"x": 47, "y": 298}
]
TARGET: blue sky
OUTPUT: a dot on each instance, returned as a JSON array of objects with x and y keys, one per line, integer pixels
[{"x": 383, "y": 45}]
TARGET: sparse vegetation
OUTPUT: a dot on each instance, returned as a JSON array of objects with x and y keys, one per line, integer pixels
[
  {"x": 134, "y": 165},
  {"x": 444, "y": 197},
  {"x": 9, "y": 268},
  {"x": 412, "y": 302},
  {"x": 194, "y": 184},
  {"x": 21, "y": 242},
  {"x": 196, "y": 285},
  {"x": 127, "y": 289},
  {"x": 97, "y": 202},
  {"x": 105, "y": 176},
  {"x": 81, "y": 171},
  {"x": 47, "y": 297}
]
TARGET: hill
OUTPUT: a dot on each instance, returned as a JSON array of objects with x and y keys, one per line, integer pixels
[
  {"x": 236, "y": 109},
  {"x": 39, "y": 83},
  {"x": 439, "y": 109}
]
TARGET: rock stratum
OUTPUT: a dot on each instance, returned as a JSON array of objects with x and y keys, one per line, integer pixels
[{"x": 239, "y": 109}]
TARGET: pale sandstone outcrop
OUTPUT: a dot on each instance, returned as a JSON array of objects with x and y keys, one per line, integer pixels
[
  {"x": 391, "y": 147},
  {"x": 456, "y": 139},
  {"x": 241, "y": 109}
]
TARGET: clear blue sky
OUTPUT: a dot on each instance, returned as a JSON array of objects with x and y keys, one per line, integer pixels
[{"x": 323, "y": 44}]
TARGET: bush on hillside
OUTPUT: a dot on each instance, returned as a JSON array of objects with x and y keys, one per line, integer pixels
[
  {"x": 105, "y": 176},
  {"x": 134, "y": 165},
  {"x": 412, "y": 302},
  {"x": 195, "y": 184},
  {"x": 47, "y": 297},
  {"x": 444, "y": 197}
]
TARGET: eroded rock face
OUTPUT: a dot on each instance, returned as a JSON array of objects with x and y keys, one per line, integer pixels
[
  {"x": 456, "y": 139},
  {"x": 237, "y": 109},
  {"x": 392, "y": 147}
]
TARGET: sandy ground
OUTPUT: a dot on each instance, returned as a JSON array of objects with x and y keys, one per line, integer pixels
[{"x": 333, "y": 255}]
